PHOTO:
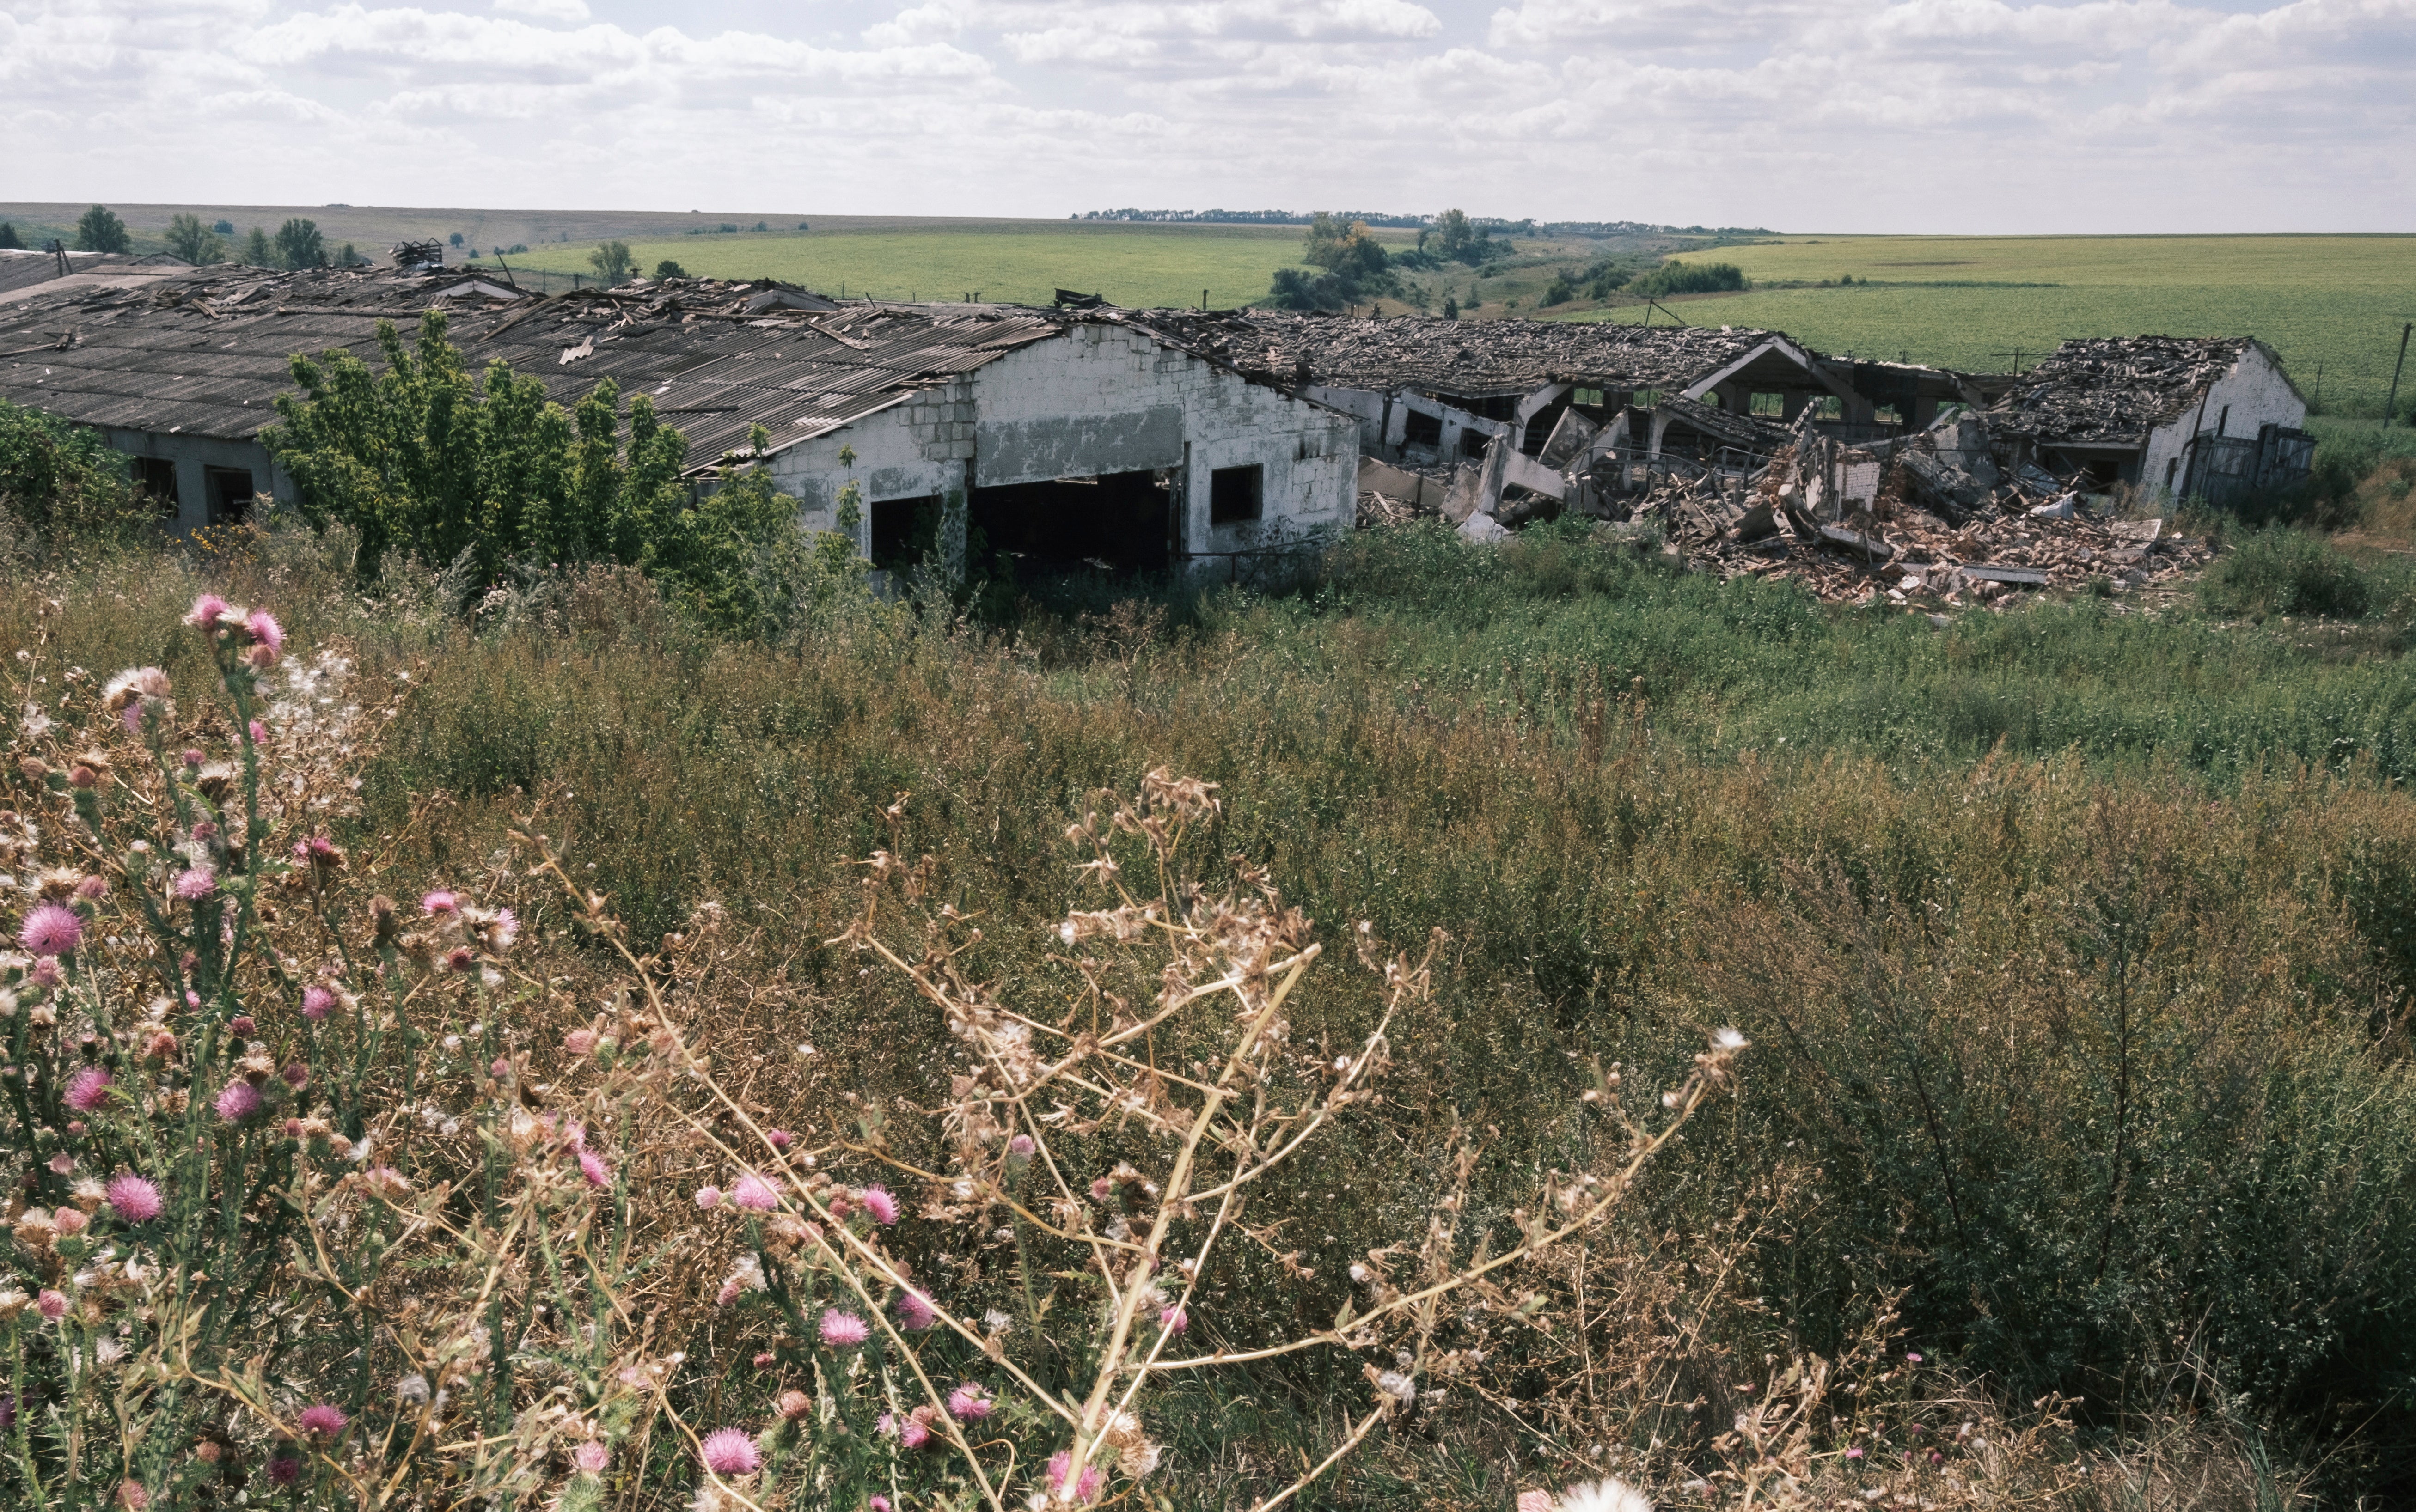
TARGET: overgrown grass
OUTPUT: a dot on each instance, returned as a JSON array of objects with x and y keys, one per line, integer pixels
[{"x": 2075, "y": 944}]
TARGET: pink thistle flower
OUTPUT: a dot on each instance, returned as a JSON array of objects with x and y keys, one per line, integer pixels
[
  {"x": 878, "y": 1503},
  {"x": 162, "y": 1046},
  {"x": 916, "y": 1431},
  {"x": 284, "y": 1470},
  {"x": 296, "y": 1074},
  {"x": 47, "y": 972},
  {"x": 1061, "y": 1465},
  {"x": 1173, "y": 1319},
  {"x": 51, "y": 930},
  {"x": 1021, "y": 1148},
  {"x": 779, "y": 1138},
  {"x": 321, "y": 1421},
  {"x": 591, "y": 1458},
  {"x": 882, "y": 1206},
  {"x": 763, "y": 1359},
  {"x": 708, "y": 1197},
  {"x": 1914, "y": 1358},
  {"x": 93, "y": 888},
  {"x": 730, "y": 1292},
  {"x": 755, "y": 1194},
  {"x": 52, "y": 1305},
  {"x": 1535, "y": 1501},
  {"x": 460, "y": 959},
  {"x": 62, "y": 1163},
  {"x": 241, "y": 1025},
  {"x": 580, "y": 1043},
  {"x": 317, "y": 1003},
  {"x": 914, "y": 1311},
  {"x": 239, "y": 1101},
  {"x": 206, "y": 612},
  {"x": 265, "y": 633},
  {"x": 440, "y": 902},
  {"x": 259, "y": 733},
  {"x": 69, "y": 1222},
  {"x": 592, "y": 1166},
  {"x": 1854, "y": 1453},
  {"x": 88, "y": 1090},
  {"x": 969, "y": 1403},
  {"x": 729, "y": 1451},
  {"x": 506, "y": 929},
  {"x": 131, "y": 1496},
  {"x": 196, "y": 884},
  {"x": 844, "y": 1330},
  {"x": 133, "y": 1199},
  {"x": 1102, "y": 1189}
]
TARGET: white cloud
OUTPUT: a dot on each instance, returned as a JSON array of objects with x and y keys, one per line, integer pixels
[{"x": 2091, "y": 115}]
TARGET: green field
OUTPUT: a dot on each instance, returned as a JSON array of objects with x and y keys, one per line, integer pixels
[
  {"x": 2333, "y": 306},
  {"x": 1018, "y": 262}
]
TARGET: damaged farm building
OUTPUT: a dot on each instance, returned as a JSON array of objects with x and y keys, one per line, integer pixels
[
  {"x": 1063, "y": 436},
  {"x": 1225, "y": 445}
]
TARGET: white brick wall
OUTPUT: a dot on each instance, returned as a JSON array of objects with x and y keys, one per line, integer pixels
[
  {"x": 1098, "y": 398},
  {"x": 2255, "y": 392}
]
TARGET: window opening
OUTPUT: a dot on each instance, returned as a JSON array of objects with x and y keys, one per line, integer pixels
[
  {"x": 156, "y": 476},
  {"x": 229, "y": 490},
  {"x": 1236, "y": 494}
]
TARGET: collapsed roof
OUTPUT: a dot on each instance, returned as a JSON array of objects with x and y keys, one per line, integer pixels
[
  {"x": 2114, "y": 389},
  {"x": 206, "y": 354},
  {"x": 1460, "y": 357}
]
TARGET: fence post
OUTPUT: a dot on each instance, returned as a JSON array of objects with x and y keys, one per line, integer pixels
[{"x": 2391, "y": 405}]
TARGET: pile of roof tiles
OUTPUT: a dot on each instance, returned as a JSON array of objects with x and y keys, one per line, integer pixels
[
  {"x": 1945, "y": 529},
  {"x": 2113, "y": 389}
]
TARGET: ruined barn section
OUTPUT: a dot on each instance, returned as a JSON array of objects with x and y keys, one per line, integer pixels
[
  {"x": 1059, "y": 438},
  {"x": 2175, "y": 417},
  {"x": 1515, "y": 418}
]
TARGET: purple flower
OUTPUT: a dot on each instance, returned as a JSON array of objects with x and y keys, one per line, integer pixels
[
  {"x": 844, "y": 1330},
  {"x": 592, "y": 1166},
  {"x": 265, "y": 633},
  {"x": 205, "y": 612},
  {"x": 52, "y": 1305},
  {"x": 439, "y": 901},
  {"x": 317, "y": 1003},
  {"x": 1173, "y": 1319},
  {"x": 882, "y": 1206},
  {"x": 284, "y": 1470},
  {"x": 729, "y": 1451},
  {"x": 969, "y": 1403},
  {"x": 1062, "y": 1464},
  {"x": 51, "y": 930},
  {"x": 591, "y": 1458},
  {"x": 136, "y": 1201},
  {"x": 195, "y": 885},
  {"x": 239, "y": 1101},
  {"x": 708, "y": 1197},
  {"x": 755, "y": 1194},
  {"x": 87, "y": 1089},
  {"x": 321, "y": 1421},
  {"x": 914, "y": 1311},
  {"x": 878, "y": 1503}
]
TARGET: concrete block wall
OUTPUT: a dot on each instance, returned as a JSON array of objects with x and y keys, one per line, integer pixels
[
  {"x": 2254, "y": 393},
  {"x": 191, "y": 456}
]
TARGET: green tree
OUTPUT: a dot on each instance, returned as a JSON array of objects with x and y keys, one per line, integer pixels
[
  {"x": 429, "y": 461},
  {"x": 188, "y": 238},
  {"x": 300, "y": 246},
  {"x": 9, "y": 235},
  {"x": 224, "y": 228},
  {"x": 669, "y": 269},
  {"x": 1450, "y": 307},
  {"x": 256, "y": 250},
  {"x": 1454, "y": 233},
  {"x": 1343, "y": 248},
  {"x": 100, "y": 230},
  {"x": 611, "y": 261}
]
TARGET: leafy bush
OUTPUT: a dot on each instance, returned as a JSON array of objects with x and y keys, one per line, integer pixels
[
  {"x": 1560, "y": 292},
  {"x": 1676, "y": 277},
  {"x": 62, "y": 482},
  {"x": 2286, "y": 572},
  {"x": 426, "y": 460}
]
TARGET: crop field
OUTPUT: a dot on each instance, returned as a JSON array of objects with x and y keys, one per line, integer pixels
[
  {"x": 1020, "y": 262},
  {"x": 2333, "y": 306}
]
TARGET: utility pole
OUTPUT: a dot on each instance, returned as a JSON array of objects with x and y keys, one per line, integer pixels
[{"x": 2391, "y": 405}]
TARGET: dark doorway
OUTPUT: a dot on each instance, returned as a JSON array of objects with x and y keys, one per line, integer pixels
[
  {"x": 1118, "y": 520},
  {"x": 904, "y": 530},
  {"x": 156, "y": 477},
  {"x": 228, "y": 492}
]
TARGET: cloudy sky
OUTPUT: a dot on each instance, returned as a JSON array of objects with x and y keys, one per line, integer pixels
[{"x": 1882, "y": 115}]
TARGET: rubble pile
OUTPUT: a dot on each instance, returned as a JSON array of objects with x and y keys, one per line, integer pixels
[
  {"x": 2113, "y": 389},
  {"x": 1931, "y": 521}
]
